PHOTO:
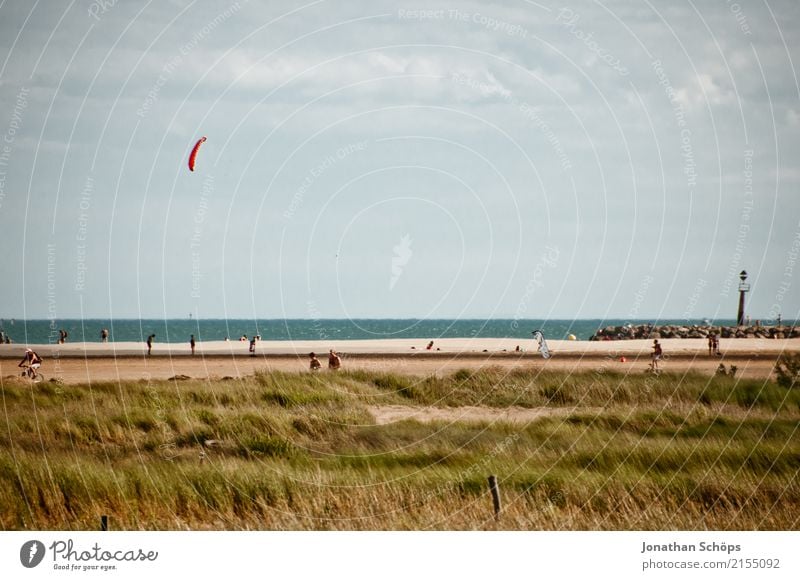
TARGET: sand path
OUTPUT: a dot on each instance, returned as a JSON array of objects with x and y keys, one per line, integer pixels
[
  {"x": 77, "y": 370},
  {"x": 385, "y": 414},
  {"x": 80, "y": 363}
]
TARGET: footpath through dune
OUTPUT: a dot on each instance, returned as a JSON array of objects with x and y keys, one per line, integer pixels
[{"x": 386, "y": 414}]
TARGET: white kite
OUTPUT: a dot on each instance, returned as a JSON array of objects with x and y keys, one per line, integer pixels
[{"x": 539, "y": 336}]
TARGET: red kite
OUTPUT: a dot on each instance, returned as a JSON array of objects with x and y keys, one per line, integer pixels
[{"x": 193, "y": 154}]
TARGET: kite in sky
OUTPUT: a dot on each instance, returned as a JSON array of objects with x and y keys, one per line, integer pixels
[{"x": 193, "y": 154}]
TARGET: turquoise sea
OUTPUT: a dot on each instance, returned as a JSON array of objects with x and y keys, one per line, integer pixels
[{"x": 179, "y": 330}]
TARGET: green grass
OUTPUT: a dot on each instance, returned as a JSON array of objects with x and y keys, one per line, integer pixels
[{"x": 302, "y": 451}]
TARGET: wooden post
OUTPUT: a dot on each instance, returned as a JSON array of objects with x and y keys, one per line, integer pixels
[
  {"x": 495, "y": 489},
  {"x": 103, "y": 523}
]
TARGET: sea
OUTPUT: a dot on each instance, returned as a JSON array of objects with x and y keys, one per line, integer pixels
[{"x": 176, "y": 330}]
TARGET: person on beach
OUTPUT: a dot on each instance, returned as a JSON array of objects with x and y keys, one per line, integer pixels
[
  {"x": 192, "y": 343},
  {"x": 334, "y": 362},
  {"x": 657, "y": 353},
  {"x": 62, "y": 336},
  {"x": 104, "y": 335},
  {"x": 430, "y": 346},
  {"x": 31, "y": 362},
  {"x": 314, "y": 364},
  {"x": 150, "y": 343},
  {"x": 710, "y": 344},
  {"x": 253, "y": 346}
]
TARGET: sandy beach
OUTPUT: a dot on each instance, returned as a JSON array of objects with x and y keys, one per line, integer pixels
[{"x": 87, "y": 362}]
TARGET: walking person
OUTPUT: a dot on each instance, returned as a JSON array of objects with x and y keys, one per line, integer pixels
[
  {"x": 104, "y": 335},
  {"x": 253, "y": 346},
  {"x": 657, "y": 354},
  {"x": 334, "y": 362},
  {"x": 314, "y": 364},
  {"x": 150, "y": 343},
  {"x": 192, "y": 344}
]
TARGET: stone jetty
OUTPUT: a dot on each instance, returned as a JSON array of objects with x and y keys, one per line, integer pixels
[{"x": 631, "y": 331}]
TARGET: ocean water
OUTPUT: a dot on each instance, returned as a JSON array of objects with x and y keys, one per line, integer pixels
[{"x": 179, "y": 330}]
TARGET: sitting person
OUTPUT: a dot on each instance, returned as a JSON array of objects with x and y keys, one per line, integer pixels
[{"x": 315, "y": 365}]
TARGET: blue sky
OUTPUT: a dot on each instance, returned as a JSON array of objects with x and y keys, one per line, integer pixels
[{"x": 392, "y": 159}]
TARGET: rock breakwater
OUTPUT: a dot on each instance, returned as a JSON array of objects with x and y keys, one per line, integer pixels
[{"x": 639, "y": 331}]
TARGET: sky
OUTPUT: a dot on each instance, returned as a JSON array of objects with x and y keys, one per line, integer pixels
[{"x": 375, "y": 159}]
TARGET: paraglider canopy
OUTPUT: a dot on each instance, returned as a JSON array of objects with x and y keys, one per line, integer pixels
[{"x": 193, "y": 154}]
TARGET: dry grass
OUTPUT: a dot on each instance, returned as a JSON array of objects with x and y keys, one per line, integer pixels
[{"x": 300, "y": 451}]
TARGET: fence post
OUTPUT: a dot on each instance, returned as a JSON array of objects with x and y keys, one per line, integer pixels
[{"x": 495, "y": 489}]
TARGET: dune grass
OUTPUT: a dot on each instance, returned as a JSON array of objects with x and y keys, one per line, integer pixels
[{"x": 302, "y": 451}]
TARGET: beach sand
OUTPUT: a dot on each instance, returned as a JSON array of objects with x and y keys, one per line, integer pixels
[{"x": 87, "y": 362}]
